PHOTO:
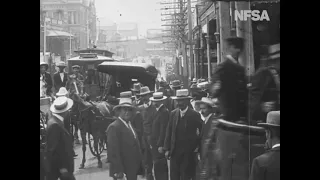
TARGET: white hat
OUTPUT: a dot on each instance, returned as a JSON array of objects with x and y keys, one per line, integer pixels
[
  {"x": 124, "y": 102},
  {"x": 158, "y": 96},
  {"x": 126, "y": 94},
  {"x": 62, "y": 92},
  {"x": 208, "y": 101},
  {"x": 61, "y": 104},
  {"x": 182, "y": 94}
]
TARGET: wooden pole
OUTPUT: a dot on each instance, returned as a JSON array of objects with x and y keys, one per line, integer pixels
[
  {"x": 244, "y": 30},
  {"x": 224, "y": 26},
  {"x": 208, "y": 49}
]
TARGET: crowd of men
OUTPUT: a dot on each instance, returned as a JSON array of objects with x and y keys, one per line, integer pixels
[{"x": 176, "y": 123}]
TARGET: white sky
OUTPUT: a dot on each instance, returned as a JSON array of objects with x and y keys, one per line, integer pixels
[{"x": 144, "y": 12}]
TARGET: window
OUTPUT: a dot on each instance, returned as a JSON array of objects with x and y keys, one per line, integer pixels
[{"x": 70, "y": 18}]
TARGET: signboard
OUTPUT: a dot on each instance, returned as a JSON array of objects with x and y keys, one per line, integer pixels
[
  {"x": 208, "y": 12},
  {"x": 53, "y": 7}
]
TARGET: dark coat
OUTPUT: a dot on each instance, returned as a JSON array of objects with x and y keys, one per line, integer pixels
[
  {"x": 166, "y": 92},
  {"x": 158, "y": 132},
  {"x": 59, "y": 148},
  {"x": 48, "y": 80},
  {"x": 193, "y": 127},
  {"x": 263, "y": 89},
  {"x": 205, "y": 135},
  {"x": 71, "y": 87},
  {"x": 233, "y": 94},
  {"x": 123, "y": 150},
  {"x": 266, "y": 166},
  {"x": 57, "y": 81},
  {"x": 137, "y": 124},
  {"x": 147, "y": 114}
]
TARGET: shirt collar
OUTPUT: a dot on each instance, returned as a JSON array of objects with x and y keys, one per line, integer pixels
[
  {"x": 58, "y": 116},
  {"x": 159, "y": 107},
  {"x": 182, "y": 113},
  {"x": 232, "y": 59},
  {"x": 276, "y": 145},
  {"x": 207, "y": 118}
]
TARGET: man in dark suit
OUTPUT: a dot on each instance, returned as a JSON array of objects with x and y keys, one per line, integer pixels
[
  {"x": 147, "y": 110},
  {"x": 59, "y": 148},
  {"x": 175, "y": 85},
  {"x": 267, "y": 165},
  {"x": 123, "y": 144},
  {"x": 265, "y": 87},
  {"x": 77, "y": 78},
  {"x": 229, "y": 83},
  {"x": 166, "y": 92},
  {"x": 60, "y": 78},
  {"x": 182, "y": 138},
  {"x": 158, "y": 133},
  {"x": 46, "y": 77}
]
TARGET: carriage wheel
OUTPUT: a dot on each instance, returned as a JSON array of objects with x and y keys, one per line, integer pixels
[{"x": 101, "y": 145}]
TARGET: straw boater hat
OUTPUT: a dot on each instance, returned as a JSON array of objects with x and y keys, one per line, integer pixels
[
  {"x": 44, "y": 64},
  {"x": 273, "y": 120},
  {"x": 181, "y": 94},
  {"x": 274, "y": 51},
  {"x": 194, "y": 80},
  {"x": 61, "y": 104},
  {"x": 126, "y": 94},
  {"x": 208, "y": 101},
  {"x": 176, "y": 83},
  {"x": 124, "y": 102},
  {"x": 136, "y": 87},
  {"x": 76, "y": 67},
  {"x": 158, "y": 96},
  {"x": 61, "y": 64},
  {"x": 145, "y": 90},
  {"x": 203, "y": 85},
  {"x": 62, "y": 92}
]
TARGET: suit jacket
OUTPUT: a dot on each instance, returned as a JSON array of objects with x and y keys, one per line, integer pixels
[
  {"x": 193, "y": 130},
  {"x": 123, "y": 149},
  {"x": 57, "y": 80},
  {"x": 48, "y": 80},
  {"x": 59, "y": 148},
  {"x": 147, "y": 114},
  {"x": 266, "y": 166},
  {"x": 263, "y": 89},
  {"x": 159, "y": 127},
  {"x": 137, "y": 124},
  {"x": 70, "y": 86},
  {"x": 206, "y": 132},
  {"x": 233, "y": 94}
]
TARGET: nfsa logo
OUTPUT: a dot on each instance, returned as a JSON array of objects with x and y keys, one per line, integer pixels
[{"x": 255, "y": 15}]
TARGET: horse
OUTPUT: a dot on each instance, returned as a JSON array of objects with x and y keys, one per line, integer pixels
[{"x": 90, "y": 114}]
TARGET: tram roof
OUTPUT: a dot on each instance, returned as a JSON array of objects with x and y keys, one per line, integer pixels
[
  {"x": 127, "y": 67},
  {"x": 97, "y": 58}
]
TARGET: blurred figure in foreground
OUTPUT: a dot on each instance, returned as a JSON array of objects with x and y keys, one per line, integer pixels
[
  {"x": 265, "y": 87},
  {"x": 229, "y": 83}
]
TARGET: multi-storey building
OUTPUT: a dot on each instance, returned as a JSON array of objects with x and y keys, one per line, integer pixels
[{"x": 78, "y": 18}]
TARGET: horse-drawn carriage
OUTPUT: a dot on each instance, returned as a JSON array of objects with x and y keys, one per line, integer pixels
[{"x": 97, "y": 116}]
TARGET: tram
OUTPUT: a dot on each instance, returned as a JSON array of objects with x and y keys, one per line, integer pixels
[{"x": 88, "y": 60}]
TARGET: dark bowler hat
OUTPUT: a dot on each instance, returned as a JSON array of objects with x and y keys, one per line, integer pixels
[
  {"x": 76, "y": 67},
  {"x": 238, "y": 42},
  {"x": 136, "y": 87},
  {"x": 176, "y": 83}
]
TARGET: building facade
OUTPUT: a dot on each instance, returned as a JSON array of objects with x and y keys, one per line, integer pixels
[{"x": 77, "y": 17}]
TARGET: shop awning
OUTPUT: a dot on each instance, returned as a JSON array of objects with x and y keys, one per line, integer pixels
[{"x": 52, "y": 33}]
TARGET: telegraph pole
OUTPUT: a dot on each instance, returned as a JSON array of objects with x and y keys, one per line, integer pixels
[
  {"x": 44, "y": 38},
  {"x": 191, "y": 63},
  {"x": 208, "y": 49}
]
